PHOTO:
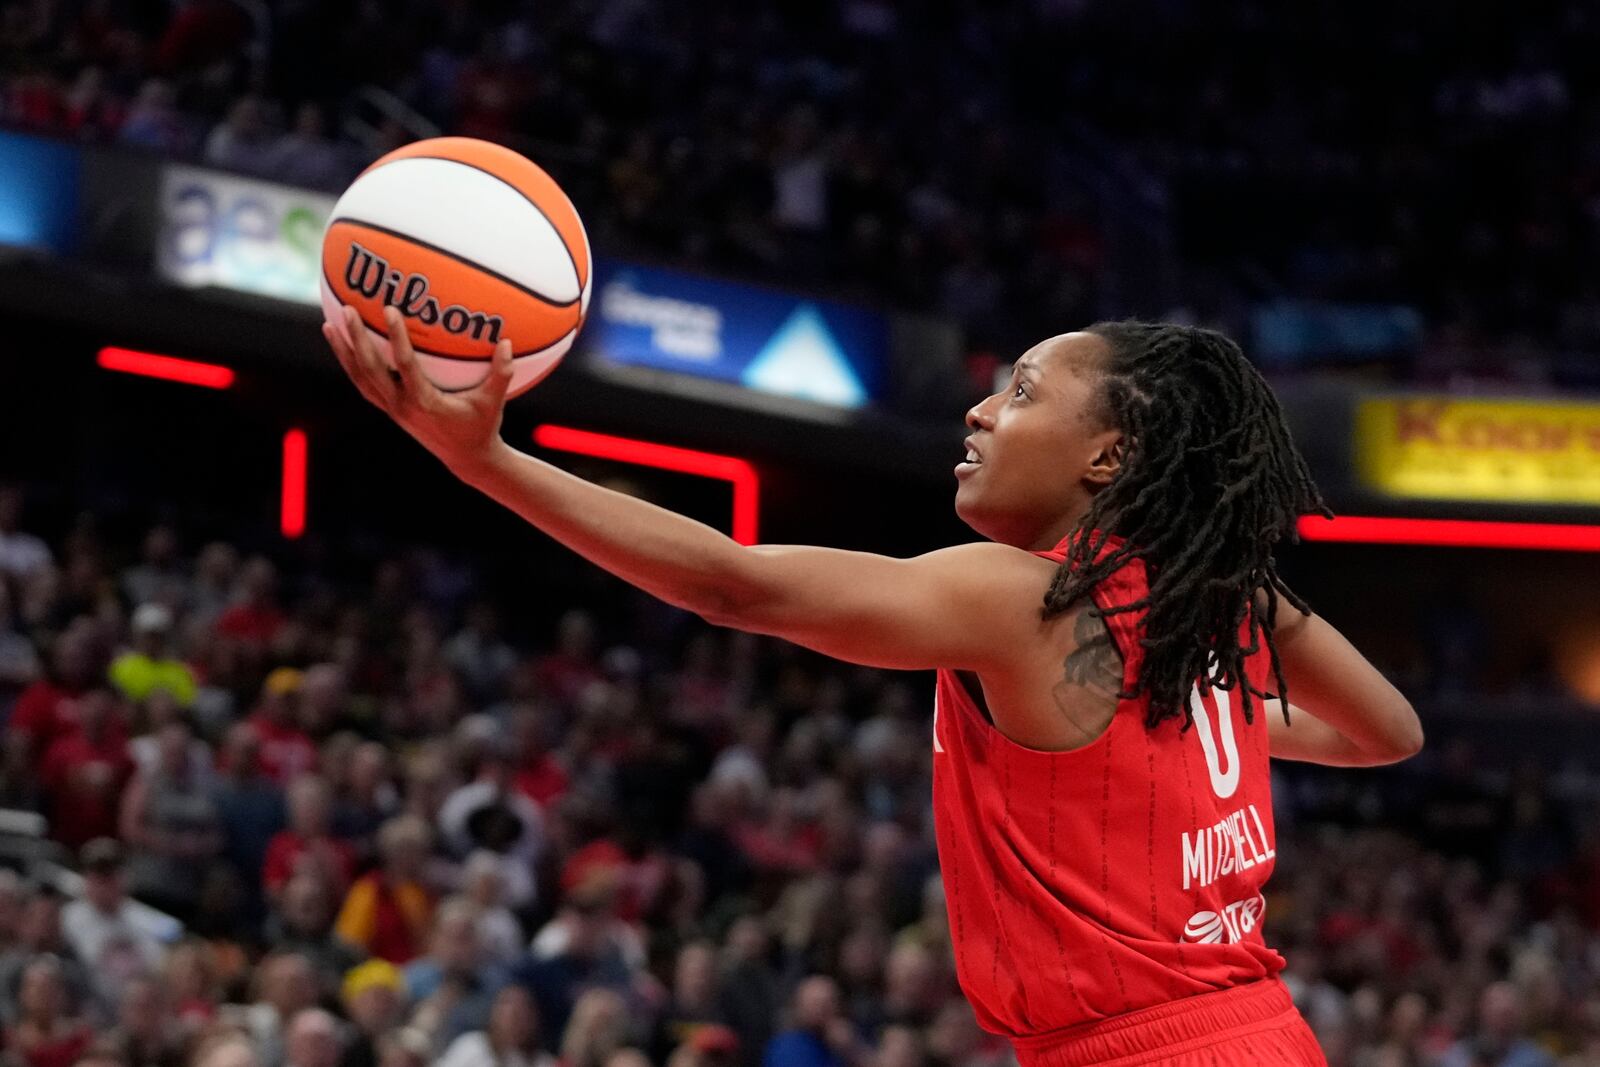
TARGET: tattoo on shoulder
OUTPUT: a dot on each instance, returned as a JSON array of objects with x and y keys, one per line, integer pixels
[{"x": 1094, "y": 664}]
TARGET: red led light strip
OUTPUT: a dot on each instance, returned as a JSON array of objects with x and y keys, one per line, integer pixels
[
  {"x": 1459, "y": 533},
  {"x": 167, "y": 368},
  {"x": 739, "y": 473},
  {"x": 292, "y": 507}
]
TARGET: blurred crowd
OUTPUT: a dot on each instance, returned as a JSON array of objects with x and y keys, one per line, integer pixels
[
  {"x": 306, "y": 819},
  {"x": 975, "y": 159}
]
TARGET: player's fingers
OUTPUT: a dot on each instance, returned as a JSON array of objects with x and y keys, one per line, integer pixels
[
  {"x": 362, "y": 351},
  {"x": 347, "y": 359},
  {"x": 493, "y": 389},
  {"x": 412, "y": 380}
]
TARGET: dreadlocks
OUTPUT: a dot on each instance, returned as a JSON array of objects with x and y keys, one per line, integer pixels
[{"x": 1210, "y": 482}]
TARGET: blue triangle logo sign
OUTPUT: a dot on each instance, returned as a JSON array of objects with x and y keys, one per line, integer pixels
[{"x": 803, "y": 360}]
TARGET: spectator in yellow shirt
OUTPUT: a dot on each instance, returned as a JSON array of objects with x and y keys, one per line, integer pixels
[
  {"x": 388, "y": 911},
  {"x": 148, "y": 666}
]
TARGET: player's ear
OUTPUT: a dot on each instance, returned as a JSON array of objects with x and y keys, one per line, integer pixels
[{"x": 1106, "y": 463}]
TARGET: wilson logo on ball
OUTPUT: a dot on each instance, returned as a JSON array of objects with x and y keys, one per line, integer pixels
[{"x": 368, "y": 273}]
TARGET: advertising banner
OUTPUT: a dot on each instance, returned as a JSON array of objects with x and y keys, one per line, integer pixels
[
  {"x": 238, "y": 233},
  {"x": 760, "y": 339},
  {"x": 1495, "y": 451}
]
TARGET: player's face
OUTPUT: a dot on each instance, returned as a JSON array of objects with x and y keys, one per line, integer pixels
[{"x": 1040, "y": 447}]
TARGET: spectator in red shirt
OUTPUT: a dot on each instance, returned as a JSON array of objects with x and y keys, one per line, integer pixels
[
  {"x": 308, "y": 843},
  {"x": 538, "y": 775},
  {"x": 254, "y": 617},
  {"x": 85, "y": 769},
  {"x": 47, "y": 1033},
  {"x": 43, "y": 711},
  {"x": 286, "y": 750},
  {"x": 572, "y": 667}
]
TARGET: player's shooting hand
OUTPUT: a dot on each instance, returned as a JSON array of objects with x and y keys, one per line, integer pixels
[{"x": 461, "y": 428}]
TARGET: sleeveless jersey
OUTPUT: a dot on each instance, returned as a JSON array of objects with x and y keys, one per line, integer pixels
[{"x": 1109, "y": 878}]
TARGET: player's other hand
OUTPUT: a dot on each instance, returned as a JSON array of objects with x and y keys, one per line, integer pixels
[{"x": 461, "y": 428}]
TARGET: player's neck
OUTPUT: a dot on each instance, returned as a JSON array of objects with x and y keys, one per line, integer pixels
[{"x": 1056, "y": 532}]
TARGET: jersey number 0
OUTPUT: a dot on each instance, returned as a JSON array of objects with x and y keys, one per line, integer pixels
[{"x": 1223, "y": 782}]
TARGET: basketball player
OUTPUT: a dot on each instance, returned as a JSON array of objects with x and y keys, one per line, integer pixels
[{"x": 1112, "y": 666}]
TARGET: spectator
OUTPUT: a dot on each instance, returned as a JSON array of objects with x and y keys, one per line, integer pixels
[
  {"x": 253, "y": 615},
  {"x": 286, "y": 750},
  {"x": 285, "y": 985},
  {"x": 45, "y": 710},
  {"x": 373, "y": 996},
  {"x": 153, "y": 121},
  {"x": 308, "y": 845},
  {"x": 250, "y": 803},
  {"x": 304, "y": 155},
  {"x": 242, "y": 142},
  {"x": 1499, "y": 1039},
  {"x": 597, "y": 1029},
  {"x": 171, "y": 823},
  {"x": 510, "y": 1040},
  {"x": 479, "y": 654},
  {"x": 488, "y": 814},
  {"x": 572, "y": 667},
  {"x": 454, "y": 983},
  {"x": 302, "y": 922},
  {"x": 148, "y": 667},
  {"x": 19, "y": 660},
  {"x": 215, "y": 578},
  {"x": 539, "y": 775},
  {"x": 39, "y": 934},
  {"x": 405, "y": 1047},
  {"x": 323, "y": 694},
  {"x": 147, "y": 1033},
  {"x": 22, "y": 554},
  {"x": 818, "y": 1034},
  {"x": 313, "y": 1040},
  {"x": 160, "y": 576},
  {"x": 48, "y": 1032},
  {"x": 751, "y": 998},
  {"x": 85, "y": 768},
  {"x": 692, "y": 1003},
  {"x": 191, "y": 985},
  {"x": 387, "y": 911},
  {"x": 368, "y": 795},
  {"x": 498, "y": 929},
  {"x": 104, "y": 928},
  {"x": 226, "y": 1049}
]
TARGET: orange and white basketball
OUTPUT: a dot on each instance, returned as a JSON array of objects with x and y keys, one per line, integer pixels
[{"x": 473, "y": 243}]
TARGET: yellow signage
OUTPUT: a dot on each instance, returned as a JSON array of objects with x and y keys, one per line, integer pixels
[{"x": 1506, "y": 451}]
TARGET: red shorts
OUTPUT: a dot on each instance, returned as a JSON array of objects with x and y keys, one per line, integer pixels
[{"x": 1253, "y": 1025}]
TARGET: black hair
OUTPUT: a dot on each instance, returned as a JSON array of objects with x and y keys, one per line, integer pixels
[{"x": 1210, "y": 482}]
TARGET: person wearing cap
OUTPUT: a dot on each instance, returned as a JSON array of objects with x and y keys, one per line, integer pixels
[
  {"x": 103, "y": 927},
  {"x": 148, "y": 665},
  {"x": 286, "y": 750},
  {"x": 374, "y": 999}
]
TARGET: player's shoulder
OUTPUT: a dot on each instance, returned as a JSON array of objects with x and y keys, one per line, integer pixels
[{"x": 989, "y": 568}]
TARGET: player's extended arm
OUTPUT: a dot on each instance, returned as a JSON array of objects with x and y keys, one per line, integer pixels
[
  {"x": 1307, "y": 739},
  {"x": 957, "y": 607},
  {"x": 1352, "y": 716}
]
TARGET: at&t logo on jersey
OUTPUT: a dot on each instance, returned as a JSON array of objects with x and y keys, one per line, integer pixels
[{"x": 1232, "y": 924}]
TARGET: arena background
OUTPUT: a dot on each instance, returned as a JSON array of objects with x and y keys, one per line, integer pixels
[{"x": 1394, "y": 207}]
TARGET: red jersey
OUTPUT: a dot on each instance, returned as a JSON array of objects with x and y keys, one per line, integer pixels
[{"x": 1109, "y": 878}]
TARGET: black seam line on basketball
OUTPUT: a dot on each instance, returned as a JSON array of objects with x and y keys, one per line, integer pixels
[
  {"x": 443, "y": 355},
  {"x": 576, "y": 273},
  {"x": 474, "y": 264}
]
